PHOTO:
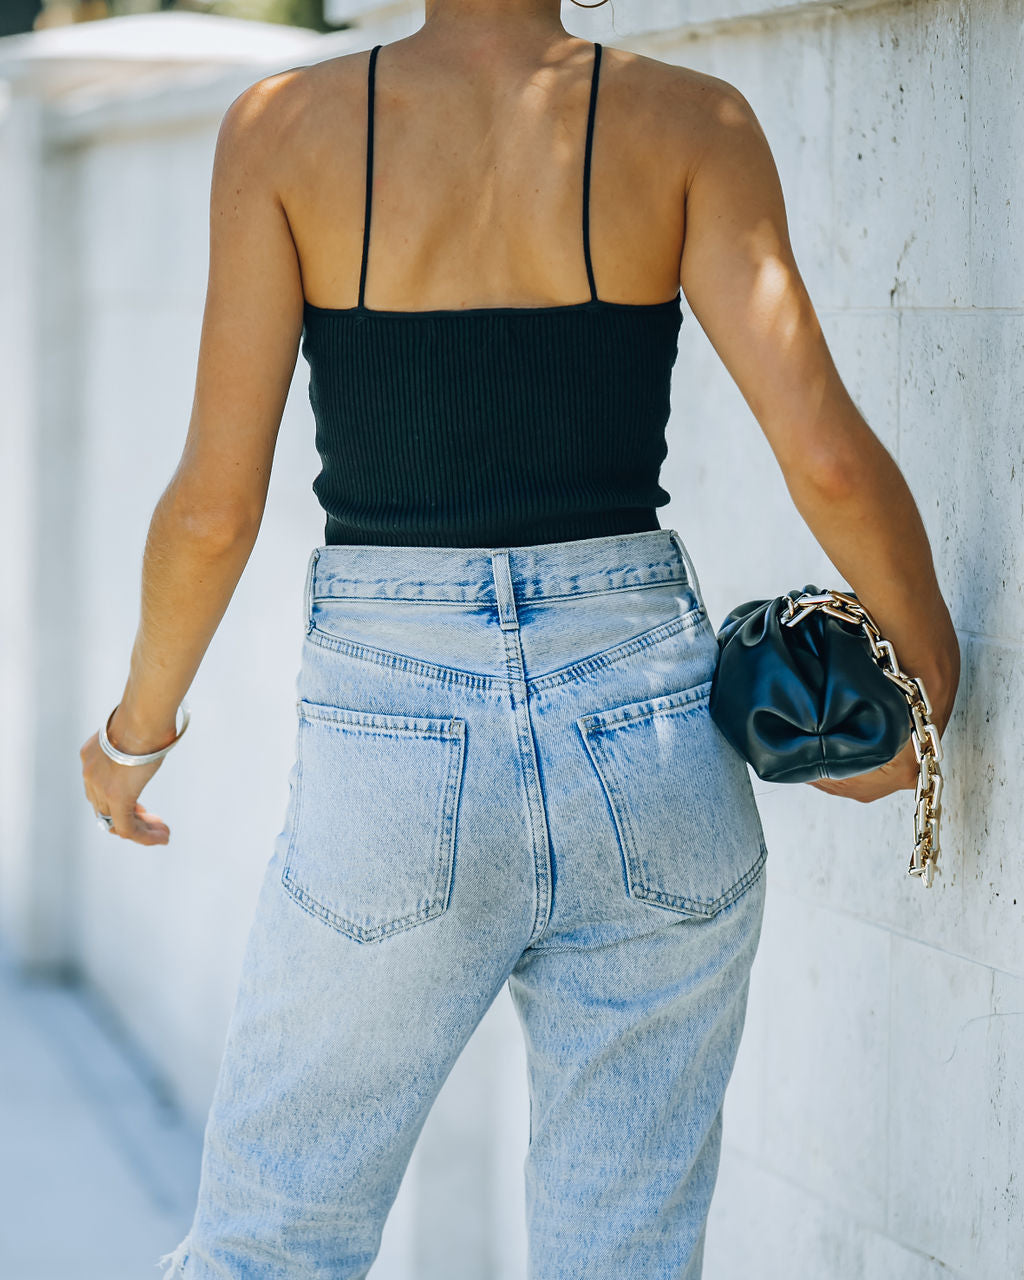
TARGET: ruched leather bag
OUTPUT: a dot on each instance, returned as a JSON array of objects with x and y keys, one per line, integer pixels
[{"x": 804, "y": 701}]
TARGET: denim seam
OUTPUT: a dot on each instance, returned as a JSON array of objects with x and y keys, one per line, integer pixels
[
  {"x": 527, "y": 599},
  {"x": 680, "y": 702},
  {"x": 452, "y": 675},
  {"x": 297, "y": 815},
  {"x": 398, "y": 662},
  {"x": 697, "y": 907},
  {"x": 616, "y": 653},
  {"x": 543, "y": 870},
  {"x": 382, "y": 724},
  {"x": 307, "y": 594},
  {"x": 522, "y": 599},
  {"x": 453, "y": 787},
  {"x": 349, "y": 927}
]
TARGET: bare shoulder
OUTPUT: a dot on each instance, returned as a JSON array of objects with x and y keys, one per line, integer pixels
[
  {"x": 686, "y": 111},
  {"x": 296, "y": 124},
  {"x": 707, "y": 95},
  {"x": 284, "y": 120},
  {"x": 290, "y": 94},
  {"x": 663, "y": 87},
  {"x": 723, "y": 121}
]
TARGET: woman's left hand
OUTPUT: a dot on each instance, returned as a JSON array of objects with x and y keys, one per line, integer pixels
[
  {"x": 114, "y": 789},
  {"x": 898, "y": 774}
]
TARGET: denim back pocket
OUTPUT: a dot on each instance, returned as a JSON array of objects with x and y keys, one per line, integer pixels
[
  {"x": 372, "y": 843},
  {"x": 681, "y": 798}
]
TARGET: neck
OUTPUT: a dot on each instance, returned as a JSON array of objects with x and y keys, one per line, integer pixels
[{"x": 505, "y": 24}]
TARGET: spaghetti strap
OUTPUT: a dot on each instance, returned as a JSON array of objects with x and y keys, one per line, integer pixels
[
  {"x": 586, "y": 172},
  {"x": 369, "y": 171}
]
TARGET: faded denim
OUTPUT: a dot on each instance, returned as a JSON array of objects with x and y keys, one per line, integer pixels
[{"x": 504, "y": 771}]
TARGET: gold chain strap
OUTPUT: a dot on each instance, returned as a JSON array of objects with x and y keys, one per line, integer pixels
[{"x": 923, "y": 733}]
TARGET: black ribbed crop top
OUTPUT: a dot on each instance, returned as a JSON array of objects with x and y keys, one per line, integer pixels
[{"x": 490, "y": 426}]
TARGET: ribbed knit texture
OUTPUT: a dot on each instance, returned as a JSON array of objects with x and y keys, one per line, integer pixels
[
  {"x": 496, "y": 426},
  {"x": 491, "y": 429}
]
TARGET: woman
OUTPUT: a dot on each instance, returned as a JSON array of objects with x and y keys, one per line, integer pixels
[{"x": 505, "y": 769}]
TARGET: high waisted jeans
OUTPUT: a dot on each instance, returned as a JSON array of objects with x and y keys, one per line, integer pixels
[{"x": 505, "y": 771}]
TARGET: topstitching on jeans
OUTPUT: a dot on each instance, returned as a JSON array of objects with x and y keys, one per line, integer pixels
[
  {"x": 615, "y": 653},
  {"x": 536, "y": 801},
  {"x": 334, "y": 577},
  {"x": 526, "y": 592},
  {"x": 475, "y": 680}
]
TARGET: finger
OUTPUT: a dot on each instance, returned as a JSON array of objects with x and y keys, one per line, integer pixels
[
  {"x": 153, "y": 825},
  {"x": 862, "y": 791},
  {"x": 851, "y": 788},
  {"x": 123, "y": 814},
  {"x": 100, "y": 803},
  {"x": 129, "y": 825}
]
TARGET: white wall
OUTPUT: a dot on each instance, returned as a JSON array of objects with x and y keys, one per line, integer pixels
[{"x": 874, "y": 1128}]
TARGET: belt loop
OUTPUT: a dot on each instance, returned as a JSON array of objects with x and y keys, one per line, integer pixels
[
  {"x": 503, "y": 590},
  {"x": 691, "y": 572},
  {"x": 307, "y": 594}
]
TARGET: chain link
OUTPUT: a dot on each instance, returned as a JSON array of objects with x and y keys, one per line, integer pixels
[{"x": 924, "y": 735}]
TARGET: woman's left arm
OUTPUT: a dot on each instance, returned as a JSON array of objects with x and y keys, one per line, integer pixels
[{"x": 206, "y": 521}]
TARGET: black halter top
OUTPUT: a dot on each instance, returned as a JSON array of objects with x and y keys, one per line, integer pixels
[{"x": 490, "y": 426}]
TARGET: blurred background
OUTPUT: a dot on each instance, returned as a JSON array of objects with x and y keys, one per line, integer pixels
[
  {"x": 874, "y": 1125},
  {"x": 35, "y": 15}
]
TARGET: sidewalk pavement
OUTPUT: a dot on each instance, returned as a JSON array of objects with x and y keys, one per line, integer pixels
[{"x": 98, "y": 1172}]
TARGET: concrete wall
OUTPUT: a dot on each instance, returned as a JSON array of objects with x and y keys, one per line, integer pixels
[{"x": 874, "y": 1127}]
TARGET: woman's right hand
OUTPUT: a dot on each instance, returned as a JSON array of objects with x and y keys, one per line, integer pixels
[
  {"x": 903, "y": 770},
  {"x": 898, "y": 774}
]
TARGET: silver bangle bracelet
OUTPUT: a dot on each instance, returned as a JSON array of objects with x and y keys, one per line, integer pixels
[{"x": 124, "y": 757}]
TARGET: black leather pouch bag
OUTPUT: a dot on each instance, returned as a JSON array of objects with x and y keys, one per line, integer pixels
[{"x": 807, "y": 700}]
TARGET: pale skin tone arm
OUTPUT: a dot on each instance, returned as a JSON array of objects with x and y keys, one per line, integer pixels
[
  {"x": 740, "y": 278},
  {"x": 205, "y": 524}
]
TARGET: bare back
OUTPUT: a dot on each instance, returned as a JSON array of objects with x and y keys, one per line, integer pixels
[
  {"x": 478, "y": 179},
  {"x": 477, "y": 203}
]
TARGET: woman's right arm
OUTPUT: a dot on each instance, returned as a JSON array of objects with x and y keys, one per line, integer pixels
[{"x": 741, "y": 280}]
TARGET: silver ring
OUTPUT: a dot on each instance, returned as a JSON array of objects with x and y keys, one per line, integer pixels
[{"x": 105, "y": 821}]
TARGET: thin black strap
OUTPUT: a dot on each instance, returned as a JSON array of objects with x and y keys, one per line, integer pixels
[
  {"x": 369, "y": 172},
  {"x": 586, "y": 172}
]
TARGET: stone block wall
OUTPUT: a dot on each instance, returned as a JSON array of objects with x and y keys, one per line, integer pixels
[{"x": 874, "y": 1128}]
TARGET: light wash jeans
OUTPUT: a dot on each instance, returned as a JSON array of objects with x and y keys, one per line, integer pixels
[{"x": 505, "y": 771}]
